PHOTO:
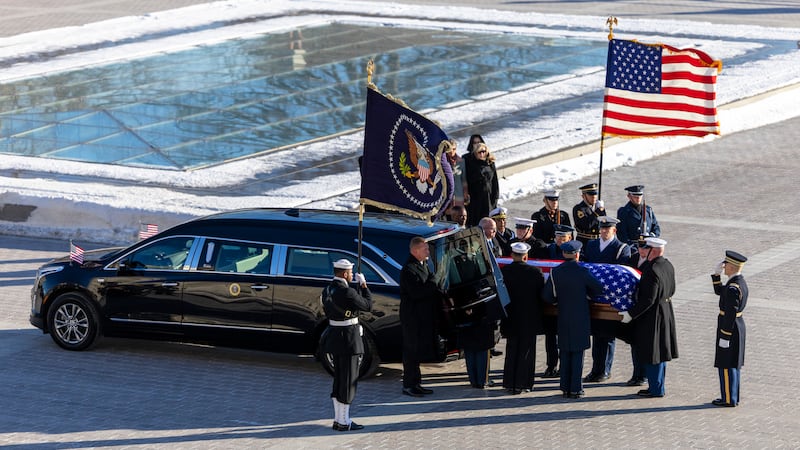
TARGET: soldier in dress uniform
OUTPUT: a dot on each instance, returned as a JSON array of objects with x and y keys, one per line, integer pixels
[
  {"x": 342, "y": 304},
  {"x": 504, "y": 234},
  {"x": 563, "y": 234},
  {"x": 570, "y": 287},
  {"x": 653, "y": 317},
  {"x": 635, "y": 223},
  {"x": 729, "y": 357},
  {"x": 605, "y": 249},
  {"x": 548, "y": 216},
  {"x": 524, "y": 229},
  {"x": 587, "y": 212},
  {"x": 523, "y": 320}
]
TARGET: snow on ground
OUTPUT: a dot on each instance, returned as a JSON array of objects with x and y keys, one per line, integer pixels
[{"x": 72, "y": 200}]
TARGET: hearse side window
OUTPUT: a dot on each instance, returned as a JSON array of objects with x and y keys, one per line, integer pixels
[
  {"x": 464, "y": 261},
  {"x": 166, "y": 254},
  {"x": 319, "y": 263},
  {"x": 235, "y": 257}
]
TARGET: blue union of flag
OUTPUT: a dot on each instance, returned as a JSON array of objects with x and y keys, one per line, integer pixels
[{"x": 404, "y": 167}]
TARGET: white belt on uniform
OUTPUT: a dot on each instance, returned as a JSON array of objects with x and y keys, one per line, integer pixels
[{"x": 343, "y": 323}]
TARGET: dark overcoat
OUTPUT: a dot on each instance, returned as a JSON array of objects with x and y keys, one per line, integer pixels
[
  {"x": 730, "y": 323},
  {"x": 616, "y": 252},
  {"x": 524, "y": 311},
  {"x": 653, "y": 318},
  {"x": 420, "y": 300},
  {"x": 570, "y": 287},
  {"x": 342, "y": 302},
  {"x": 483, "y": 187}
]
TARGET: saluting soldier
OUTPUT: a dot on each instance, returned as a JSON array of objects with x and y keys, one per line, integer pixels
[
  {"x": 729, "y": 356},
  {"x": 587, "y": 212},
  {"x": 636, "y": 217},
  {"x": 548, "y": 216},
  {"x": 341, "y": 304}
]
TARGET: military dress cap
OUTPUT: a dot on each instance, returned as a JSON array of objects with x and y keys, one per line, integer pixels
[
  {"x": 607, "y": 221},
  {"x": 552, "y": 194},
  {"x": 520, "y": 248},
  {"x": 499, "y": 213},
  {"x": 560, "y": 229},
  {"x": 342, "y": 264},
  {"x": 519, "y": 222},
  {"x": 589, "y": 189},
  {"x": 571, "y": 247},
  {"x": 654, "y": 242},
  {"x": 637, "y": 189},
  {"x": 737, "y": 259}
]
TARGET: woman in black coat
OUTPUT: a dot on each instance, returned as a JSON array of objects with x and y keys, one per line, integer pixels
[{"x": 482, "y": 183}]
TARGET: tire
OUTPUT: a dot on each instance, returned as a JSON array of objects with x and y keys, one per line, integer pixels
[
  {"x": 73, "y": 322},
  {"x": 367, "y": 365}
]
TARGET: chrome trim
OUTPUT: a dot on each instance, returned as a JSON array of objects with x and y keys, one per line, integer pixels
[
  {"x": 383, "y": 255},
  {"x": 479, "y": 301},
  {"x": 231, "y": 327}
]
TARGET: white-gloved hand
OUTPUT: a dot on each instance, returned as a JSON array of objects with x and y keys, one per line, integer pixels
[
  {"x": 718, "y": 268},
  {"x": 724, "y": 343},
  {"x": 599, "y": 204},
  {"x": 360, "y": 279},
  {"x": 626, "y": 317}
]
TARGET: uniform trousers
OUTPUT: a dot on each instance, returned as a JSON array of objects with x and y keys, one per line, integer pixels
[
  {"x": 655, "y": 378},
  {"x": 729, "y": 385},
  {"x": 345, "y": 378},
  {"x": 412, "y": 376},
  {"x": 602, "y": 355},
  {"x": 571, "y": 371},
  {"x": 551, "y": 348},
  {"x": 638, "y": 367},
  {"x": 477, "y": 366}
]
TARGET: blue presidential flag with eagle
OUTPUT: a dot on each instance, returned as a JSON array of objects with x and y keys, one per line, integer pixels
[{"x": 404, "y": 167}]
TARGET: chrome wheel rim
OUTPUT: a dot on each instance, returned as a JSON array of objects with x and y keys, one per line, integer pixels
[{"x": 71, "y": 323}]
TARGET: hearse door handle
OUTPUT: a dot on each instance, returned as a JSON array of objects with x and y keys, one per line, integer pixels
[
  {"x": 169, "y": 284},
  {"x": 259, "y": 287}
]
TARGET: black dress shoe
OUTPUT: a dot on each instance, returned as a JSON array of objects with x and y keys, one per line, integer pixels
[
  {"x": 414, "y": 392},
  {"x": 352, "y": 427},
  {"x": 595, "y": 378},
  {"x": 634, "y": 381},
  {"x": 578, "y": 394},
  {"x": 721, "y": 402},
  {"x": 425, "y": 391},
  {"x": 490, "y": 383},
  {"x": 550, "y": 372},
  {"x": 646, "y": 393},
  {"x": 494, "y": 352}
]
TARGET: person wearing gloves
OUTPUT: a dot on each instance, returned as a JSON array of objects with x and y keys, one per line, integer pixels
[
  {"x": 586, "y": 213},
  {"x": 653, "y": 317},
  {"x": 342, "y": 304},
  {"x": 729, "y": 356}
]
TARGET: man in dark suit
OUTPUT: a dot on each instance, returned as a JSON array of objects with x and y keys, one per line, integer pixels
[
  {"x": 570, "y": 287},
  {"x": 653, "y": 317},
  {"x": 419, "y": 300},
  {"x": 342, "y": 304},
  {"x": 609, "y": 250},
  {"x": 523, "y": 320},
  {"x": 729, "y": 356},
  {"x": 490, "y": 232}
]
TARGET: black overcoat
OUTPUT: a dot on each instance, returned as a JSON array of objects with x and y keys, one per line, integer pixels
[
  {"x": 483, "y": 187},
  {"x": 342, "y": 303},
  {"x": 570, "y": 287},
  {"x": 420, "y": 300},
  {"x": 730, "y": 323},
  {"x": 524, "y": 311},
  {"x": 653, "y": 318}
]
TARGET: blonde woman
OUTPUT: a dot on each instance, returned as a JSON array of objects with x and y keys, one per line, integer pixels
[{"x": 483, "y": 188}]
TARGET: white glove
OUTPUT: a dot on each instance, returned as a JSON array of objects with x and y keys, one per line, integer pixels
[
  {"x": 626, "y": 317},
  {"x": 718, "y": 268},
  {"x": 724, "y": 343},
  {"x": 599, "y": 204},
  {"x": 359, "y": 278}
]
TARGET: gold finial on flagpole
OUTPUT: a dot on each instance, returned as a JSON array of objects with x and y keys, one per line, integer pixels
[
  {"x": 370, "y": 71},
  {"x": 611, "y": 22}
]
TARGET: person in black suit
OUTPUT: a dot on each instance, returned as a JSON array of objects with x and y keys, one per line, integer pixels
[
  {"x": 419, "y": 300},
  {"x": 609, "y": 250},
  {"x": 490, "y": 232},
  {"x": 653, "y": 317},
  {"x": 523, "y": 320},
  {"x": 570, "y": 287},
  {"x": 342, "y": 304},
  {"x": 729, "y": 356}
]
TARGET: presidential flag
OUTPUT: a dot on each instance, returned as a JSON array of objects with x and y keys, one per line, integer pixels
[
  {"x": 147, "y": 230},
  {"x": 619, "y": 282},
  {"x": 75, "y": 253},
  {"x": 404, "y": 167},
  {"x": 658, "y": 90}
]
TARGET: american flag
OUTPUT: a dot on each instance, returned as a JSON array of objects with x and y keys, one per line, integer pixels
[
  {"x": 75, "y": 253},
  {"x": 147, "y": 230},
  {"x": 619, "y": 282},
  {"x": 658, "y": 90}
]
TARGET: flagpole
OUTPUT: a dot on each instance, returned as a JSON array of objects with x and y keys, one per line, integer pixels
[
  {"x": 611, "y": 22},
  {"x": 360, "y": 234}
]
